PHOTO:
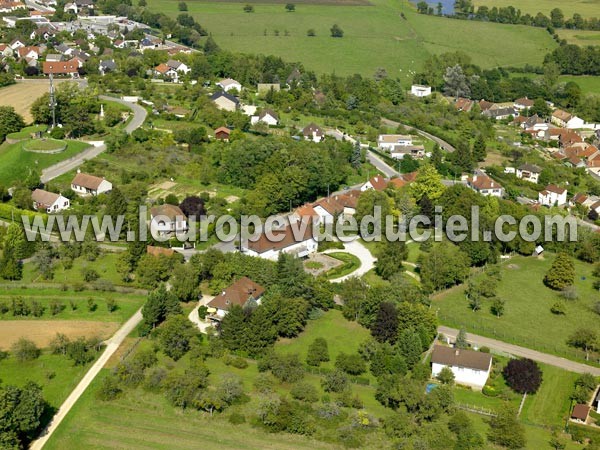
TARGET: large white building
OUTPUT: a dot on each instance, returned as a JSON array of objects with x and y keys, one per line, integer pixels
[
  {"x": 470, "y": 368},
  {"x": 390, "y": 141},
  {"x": 300, "y": 244},
  {"x": 420, "y": 91}
]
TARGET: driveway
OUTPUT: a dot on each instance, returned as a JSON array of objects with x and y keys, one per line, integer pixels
[
  {"x": 356, "y": 248},
  {"x": 55, "y": 171},
  {"x": 443, "y": 144},
  {"x": 522, "y": 352},
  {"x": 111, "y": 347},
  {"x": 193, "y": 316}
]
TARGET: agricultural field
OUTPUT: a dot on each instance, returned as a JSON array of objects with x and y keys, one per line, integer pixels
[
  {"x": 580, "y": 37},
  {"x": 22, "y": 95},
  {"x": 16, "y": 164},
  {"x": 374, "y": 36},
  {"x": 587, "y": 8},
  {"x": 526, "y": 297}
]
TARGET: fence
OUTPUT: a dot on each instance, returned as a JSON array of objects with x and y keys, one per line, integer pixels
[
  {"x": 475, "y": 326},
  {"x": 476, "y": 409}
]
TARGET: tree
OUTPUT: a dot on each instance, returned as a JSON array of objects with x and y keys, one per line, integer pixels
[
  {"x": 193, "y": 206},
  {"x": 557, "y": 17},
  {"x": 427, "y": 183},
  {"x": 410, "y": 346},
  {"x": 461, "y": 339},
  {"x": 466, "y": 436},
  {"x": 506, "y": 430},
  {"x": 498, "y": 306},
  {"x": 446, "y": 376},
  {"x": 389, "y": 258},
  {"x": 356, "y": 158},
  {"x": 158, "y": 307},
  {"x": 455, "y": 82},
  {"x": 585, "y": 339},
  {"x": 116, "y": 203},
  {"x": 385, "y": 328},
  {"x": 25, "y": 350},
  {"x": 10, "y": 121},
  {"x": 436, "y": 157},
  {"x": 21, "y": 411},
  {"x": 561, "y": 274},
  {"x": 540, "y": 107},
  {"x": 317, "y": 352},
  {"x": 336, "y": 381},
  {"x": 249, "y": 8},
  {"x": 230, "y": 388},
  {"x": 305, "y": 392},
  {"x": 336, "y": 31},
  {"x": 290, "y": 7},
  {"x": 184, "y": 283},
  {"x": 286, "y": 368},
  {"x": 479, "y": 149},
  {"x": 523, "y": 375},
  {"x": 182, "y": 6},
  {"x": 444, "y": 266},
  {"x": 109, "y": 389},
  {"x": 176, "y": 336},
  {"x": 352, "y": 364},
  {"x": 311, "y": 32}
]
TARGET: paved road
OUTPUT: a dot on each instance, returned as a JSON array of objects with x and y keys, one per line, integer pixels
[
  {"x": 55, "y": 171},
  {"x": 356, "y": 248},
  {"x": 111, "y": 346},
  {"x": 382, "y": 166},
  {"x": 523, "y": 352},
  {"x": 443, "y": 144}
]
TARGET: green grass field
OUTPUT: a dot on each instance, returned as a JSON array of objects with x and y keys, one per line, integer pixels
[
  {"x": 374, "y": 36},
  {"x": 127, "y": 304},
  {"x": 580, "y": 37},
  {"x": 587, "y": 8},
  {"x": 15, "y": 163},
  {"x": 527, "y": 320},
  {"x": 25, "y": 133},
  {"x": 43, "y": 145}
]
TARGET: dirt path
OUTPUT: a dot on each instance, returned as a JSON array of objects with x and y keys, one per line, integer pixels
[
  {"x": 111, "y": 347},
  {"x": 523, "y": 352}
]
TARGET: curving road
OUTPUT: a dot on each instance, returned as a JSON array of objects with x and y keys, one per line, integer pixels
[
  {"x": 55, "y": 171},
  {"x": 356, "y": 248},
  {"x": 111, "y": 347},
  {"x": 522, "y": 352}
]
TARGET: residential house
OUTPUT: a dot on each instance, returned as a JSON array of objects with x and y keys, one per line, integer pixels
[
  {"x": 150, "y": 43},
  {"x": 566, "y": 120},
  {"x": 500, "y": 113},
  {"x": 575, "y": 162},
  {"x": 17, "y": 43},
  {"x": 7, "y": 6},
  {"x": 294, "y": 77},
  {"x": 229, "y": 84},
  {"x": 523, "y": 103},
  {"x": 267, "y": 116},
  {"x": 420, "y": 91},
  {"x": 464, "y": 104},
  {"x": 390, "y": 141},
  {"x": 178, "y": 66},
  {"x": 225, "y": 101},
  {"x": 377, "y": 182},
  {"x": 301, "y": 243},
  {"x": 81, "y": 4},
  {"x": 107, "y": 66},
  {"x": 64, "y": 49},
  {"x": 249, "y": 110},
  {"x": 313, "y": 132},
  {"x": 70, "y": 67},
  {"x": 85, "y": 184},
  {"x": 5, "y": 50},
  {"x": 163, "y": 70},
  {"x": 416, "y": 151},
  {"x": 470, "y": 368},
  {"x": 29, "y": 52},
  {"x": 484, "y": 185},
  {"x": 329, "y": 208},
  {"x": 580, "y": 413},
  {"x": 553, "y": 195},
  {"x": 594, "y": 212},
  {"x": 49, "y": 201},
  {"x": 529, "y": 172},
  {"x": 241, "y": 293},
  {"x": 222, "y": 134},
  {"x": 53, "y": 57},
  {"x": 305, "y": 212},
  {"x": 167, "y": 219},
  {"x": 397, "y": 183}
]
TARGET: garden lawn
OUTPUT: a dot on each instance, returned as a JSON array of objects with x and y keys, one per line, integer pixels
[
  {"x": 15, "y": 163},
  {"x": 25, "y": 133},
  {"x": 351, "y": 263},
  {"x": 527, "y": 320},
  {"x": 374, "y": 36}
]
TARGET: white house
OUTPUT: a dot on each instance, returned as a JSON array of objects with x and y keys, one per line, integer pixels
[
  {"x": 229, "y": 84},
  {"x": 523, "y": 103},
  {"x": 553, "y": 195},
  {"x": 266, "y": 116},
  {"x": 225, "y": 101},
  {"x": 313, "y": 132},
  {"x": 296, "y": 239},
  {"x": 529, "y": 172},
  {"x": 84, "y": 184},
  {"x": 484, "y": 185},
  {"x": 167, "y": 219},
  {"x": 390, "y": 141},
  {"x": 470, "y": 368},
  {"x": 49, "y": 201},
  {"x": 400, "y": 151},
  {"x": 239, "y": 293},
  {"x": 329, "y": 208},
  {"x": 566, "y": 120},
  {"x": 377, "y": 182},
  {"x": 420, "y": 91}
]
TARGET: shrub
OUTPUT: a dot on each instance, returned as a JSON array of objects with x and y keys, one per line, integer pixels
[
  {"x": 558, "y": 308},
  {"x": 111, "y": 305},
  {"x": 235, "y": 361},
  {"x": 56, "y": 307},
  {"x": 305, "y": 392},
  {"x": 317, "y": 352},
  {"x": 352, "y": 364},
  {"x": 91, "y": 303},
  {"x": 484, "y": 349},
  {"x": 89, "y": 275},
  {"x": 490, "y": 391},
  {"x": 109, "y": 389},
  {"x": 287, "y": 368},
  {"x": 336, "y": 381},
  {"x": 154, "y": 379},
  {"x": 25, "y": 350}
]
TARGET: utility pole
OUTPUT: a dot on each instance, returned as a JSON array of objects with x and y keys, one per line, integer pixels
[{"x": 52, "y": 101}]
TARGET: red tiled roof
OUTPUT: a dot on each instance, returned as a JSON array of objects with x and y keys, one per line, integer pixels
[
  {"x": 378, "y": 183},
  {"x": 61, "y": 67},
  {"x": 237, "y": 294}
]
